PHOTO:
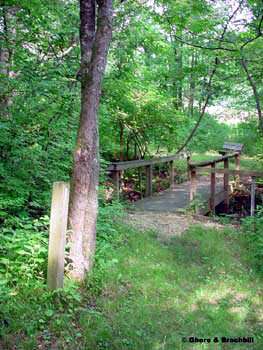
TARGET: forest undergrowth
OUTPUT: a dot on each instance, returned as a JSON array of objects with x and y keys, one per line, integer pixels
[{"x": 143, "y": 293}]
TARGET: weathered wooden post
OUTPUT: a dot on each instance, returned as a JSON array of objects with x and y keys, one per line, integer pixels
[
  {"x": 237, "y": 161},
  {"x": 148, "y": 169},
  {"x": 171, "y": 168},
  {"x": 193, "y": 183},
  {"x": 57, "y": 234},
  {"x": 213, "y": 188},
  {"x": 116, "y": 180},
  {"x": 140, "y": 180},
  {"x": 253, "y": 196},
  {"x": 188, "y": 167},
  {"x": 226, "y": 185}
]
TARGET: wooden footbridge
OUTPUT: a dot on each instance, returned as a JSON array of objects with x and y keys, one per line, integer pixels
[{"x": 208, "y": 190}]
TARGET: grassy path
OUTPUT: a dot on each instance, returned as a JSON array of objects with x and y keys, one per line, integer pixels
[
  {"x": 197, "y": 284},
  {"x": 147, "y": 292}
]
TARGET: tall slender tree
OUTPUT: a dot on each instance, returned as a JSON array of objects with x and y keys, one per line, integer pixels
[
  {"x": 7, "y": 22},
  {"x": 95, "y": 37}
]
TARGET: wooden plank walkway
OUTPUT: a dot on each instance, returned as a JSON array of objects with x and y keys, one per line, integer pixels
[
  {"x": 206, "y": 191},
  {"x": 177, "y": 198}
]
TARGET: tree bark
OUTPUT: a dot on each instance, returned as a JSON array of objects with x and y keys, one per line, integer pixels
[
  {"x": 180, "y": 76},
  {"x": 6, "y": 53},
  {"x": 192, "y": 85},
  {"x": 121, "y": 155},
  {"x": 83, "y": 204}
]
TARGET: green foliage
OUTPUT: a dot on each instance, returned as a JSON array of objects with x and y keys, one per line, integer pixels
[
  {"x": 246, "y": 132},
  {"x": 196, "y": 205},
  {"x": 33, "y": 310},
  {"x": 253, "y": 239},
  {"x": 23, "y": 253},
  {"x": 139, "y": 290},
  {"x": 145, "y": 104},
  {"x": 28, "y": 310},
  {"x": 211, "y": 135},
  {"x": 110, "y": 235},
  {"x": 135, "y": 278},
  {"x": 38, "y": 131}
]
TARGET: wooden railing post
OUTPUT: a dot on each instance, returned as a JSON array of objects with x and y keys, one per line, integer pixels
[
  {"x": 188, "y": 167},
  {"x": 237, "y": 161},
  {"x": 171, "y": 167},
  {"x": 57, "y": 235},
  {"x": 148, "y": 180},
  {"x": 226, "y": 185},
  {"x": 213, "y": 189},
  {"x": 253, "y": 196},
  {"x": 140, "y": 180},
  {"x": 116, "y": 179},
  {"x": 193, "y": 184}
]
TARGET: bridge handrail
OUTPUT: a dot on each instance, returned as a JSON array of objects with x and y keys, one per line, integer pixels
[
  {"x": 118, "y": 166},
  {"x": 251, "y": 173},
  {"x": 213, "y": 161}
]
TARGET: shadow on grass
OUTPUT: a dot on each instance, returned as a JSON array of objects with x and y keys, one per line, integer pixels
[
  {"x": 192, "y": 286},
  {"x": 152, "y": 295}
]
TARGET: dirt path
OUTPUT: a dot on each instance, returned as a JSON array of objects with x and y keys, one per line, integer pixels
[{"x": 167, "y": 225}]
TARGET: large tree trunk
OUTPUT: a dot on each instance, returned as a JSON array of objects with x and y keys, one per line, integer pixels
[{"x": 83, "y": 204}]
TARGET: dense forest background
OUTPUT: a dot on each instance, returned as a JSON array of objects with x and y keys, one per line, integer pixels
[{"x": 157, "y": 80}]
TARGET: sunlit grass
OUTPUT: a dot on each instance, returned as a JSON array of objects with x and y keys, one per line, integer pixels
[
  {"x": 146, "y": 293},
  {"x": 196, "y": 285}
]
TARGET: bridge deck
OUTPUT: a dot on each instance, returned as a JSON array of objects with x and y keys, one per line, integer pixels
[{"x": 177, "y": 198}]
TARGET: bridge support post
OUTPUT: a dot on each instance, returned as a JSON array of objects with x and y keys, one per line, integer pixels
[
  {"x": 237, "y": 161},
  {"x": 148, "y": 180},
  {"x": 226, "y": 185},
  {"x": 171, "y": 167},
  {"x": 140, "y": 181},
  {"x": 213, "y": 189},
  {"x": 193, "y": 184},
  {"x": 253, "y": 196},
  {"x": 116, "y": 179},
  {"x": 188, "y": 167}
]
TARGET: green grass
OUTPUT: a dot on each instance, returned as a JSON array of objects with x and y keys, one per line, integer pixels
[
  {"x": 145, "y": 294},
  {"x": 197, "y": 285}
]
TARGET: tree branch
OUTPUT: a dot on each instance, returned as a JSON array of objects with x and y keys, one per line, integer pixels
[
  {"x": 255, "y": 92},
  {"x": 203, "y": 109},
  {"x": 209, "y": 93}
]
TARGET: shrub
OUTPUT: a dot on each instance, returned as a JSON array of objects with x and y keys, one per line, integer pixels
[{"x": 253, "y": 237}]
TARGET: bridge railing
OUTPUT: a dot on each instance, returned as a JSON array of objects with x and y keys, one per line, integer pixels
[
  {"x": 203, "y": 167},
  {"x": 117, "y": 167},
  {"x": 193, "y": 168}
]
